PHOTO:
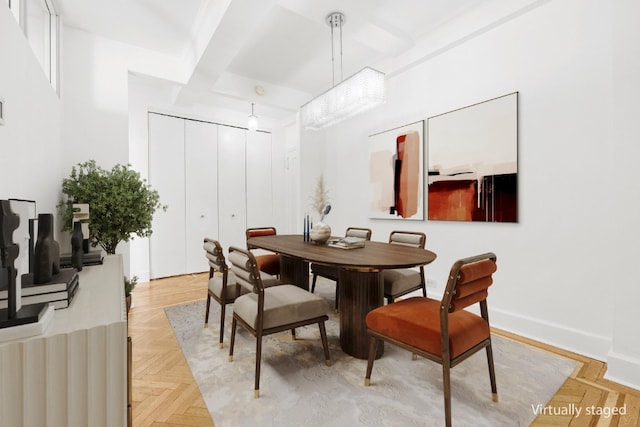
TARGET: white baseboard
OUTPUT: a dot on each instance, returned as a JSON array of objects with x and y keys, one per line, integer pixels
[
  {"x": 577, "y": 341},
  {"x": 623, "y": 370}
]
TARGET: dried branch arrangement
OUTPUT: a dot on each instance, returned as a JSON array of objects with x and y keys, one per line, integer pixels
[{"x": 320, "y": 200}]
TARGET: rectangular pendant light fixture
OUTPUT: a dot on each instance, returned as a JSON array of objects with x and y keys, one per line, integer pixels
[{"x": 360, "y": 92}]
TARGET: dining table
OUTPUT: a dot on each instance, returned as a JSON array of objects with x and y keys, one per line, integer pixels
[{"x": 360, "y": 276}]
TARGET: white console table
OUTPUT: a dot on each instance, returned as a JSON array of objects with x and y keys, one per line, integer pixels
[{"x": 75, "y": 373}]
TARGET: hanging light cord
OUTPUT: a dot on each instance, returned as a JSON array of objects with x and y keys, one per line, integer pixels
[
  {"x": 340, "y": 18},
  {"x": 333, "y": 64},
  {"x": 335, "y": 19}
]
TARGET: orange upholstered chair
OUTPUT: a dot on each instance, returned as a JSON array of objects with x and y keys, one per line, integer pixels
[
  {"x": 441, "y": 330},
  {"x": 269, "y": 263}
]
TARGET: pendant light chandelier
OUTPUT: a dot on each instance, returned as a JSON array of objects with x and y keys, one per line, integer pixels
[
  {"x": 252, "y": 122},
  {"x": 360, "y": 92}
]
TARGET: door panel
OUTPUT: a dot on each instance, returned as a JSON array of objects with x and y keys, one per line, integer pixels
[
  {"x": 232, "y": 206},
  {"x": 166, "y": 175},
  {"x": 201, "y": 189}
]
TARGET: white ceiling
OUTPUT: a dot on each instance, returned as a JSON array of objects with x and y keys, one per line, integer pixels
[{"x": 281, "y": 45}]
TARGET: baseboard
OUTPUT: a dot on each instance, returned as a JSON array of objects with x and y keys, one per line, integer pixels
[
  {"x": 581, "y": 342},
  {"x": 623, "y": 370}
]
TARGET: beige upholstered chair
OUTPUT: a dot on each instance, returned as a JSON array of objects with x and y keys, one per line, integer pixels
[
  {"x": 263, "y": 311},
  {"x": 441, "y": 330},
  {"x": 401, "y": 281},
  {"x": 222, "y": 287},
  {"x": 269, "y": 263},
  {"x": 331, "y": 273}
]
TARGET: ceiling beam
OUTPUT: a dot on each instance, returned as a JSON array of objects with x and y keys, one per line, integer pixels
[{"x": 226, "y": 26}]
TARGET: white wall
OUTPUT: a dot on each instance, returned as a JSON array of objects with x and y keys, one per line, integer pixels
[
  {"x": 94, "y": 94},
  {"x": 30, "y": 137},
  {"x": 560, "y": 266},
  {"x": 624, "y": 356}
]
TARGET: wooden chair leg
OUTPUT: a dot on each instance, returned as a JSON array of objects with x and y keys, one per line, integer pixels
[
  {"x": 373, "y": 347},
  {"x": 293, "y": 334},
  {"x": 446, "y": 385},
  {"x": 325, "y": 343},
  {"x": 222, "y": 314},
  {"x": 234, "y": 324},
  {"x": 492, "y": 373},
  {"x": 313, "y": 282},
  {"x": 256, "y": 389},
  {"x": 206, "y": 313},
  {"x": 337, "y": 295}
]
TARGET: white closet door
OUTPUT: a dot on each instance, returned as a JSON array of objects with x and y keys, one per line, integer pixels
[
  {"x": 232, "y": 205},
  {"x": 166, "y": 175},
  {"x": 201, "y": 189},
  {"x": 260, "y": 209}
]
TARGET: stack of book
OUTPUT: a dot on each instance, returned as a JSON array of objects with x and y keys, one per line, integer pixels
[
  {"x": 59, "y": 291},
  {"x": 94, "y": 257},
  {"x": 348, "y": 243}
]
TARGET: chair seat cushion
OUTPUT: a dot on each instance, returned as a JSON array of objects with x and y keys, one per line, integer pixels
[
  {"x": 269, "y": 263},
  {"x": 215, "y": 285},
  {"x": 400, "y": 280},
  {"x": 416, "y": 321},
  {"x": 284, "y": 304}
]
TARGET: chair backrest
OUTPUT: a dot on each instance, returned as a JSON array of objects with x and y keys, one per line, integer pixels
[
  {"x": 416, "y": 239},
  {"x": 363, "y": 233},
  {"x": 468, "y": 282},
  {"x": 257, "y": 232},
  {"x": 245, "y": 268},
  {"x": 215, "y": 256}
]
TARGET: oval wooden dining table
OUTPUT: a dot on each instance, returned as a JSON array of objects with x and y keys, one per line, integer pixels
[{"x": 361, "y": 281}]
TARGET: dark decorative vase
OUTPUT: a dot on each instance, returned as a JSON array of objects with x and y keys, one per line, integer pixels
[
  {"x": 47, "y": 251},
  {"x": 77, "y": 251}
]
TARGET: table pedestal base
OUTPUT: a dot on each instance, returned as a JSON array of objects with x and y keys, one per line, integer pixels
[
  {"x": 359, "y": 293},
  {"x": 294, "y": 271}
]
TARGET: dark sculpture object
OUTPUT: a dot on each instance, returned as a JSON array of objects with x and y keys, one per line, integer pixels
[
  {"x": 9, "y": 222},
  {"x": 47, "y": 251},
  {"x": 77, "y": 251}
]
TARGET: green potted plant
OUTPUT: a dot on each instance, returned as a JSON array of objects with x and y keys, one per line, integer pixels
[
  {"x": 129, "y": 285},
  {"x": 121, "y": 202}
]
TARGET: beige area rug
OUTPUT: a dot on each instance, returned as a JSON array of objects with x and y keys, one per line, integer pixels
[{"x": 298, "y": 389}]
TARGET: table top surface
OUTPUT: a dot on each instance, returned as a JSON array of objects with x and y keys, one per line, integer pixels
[{"x": 373, "y": 256}]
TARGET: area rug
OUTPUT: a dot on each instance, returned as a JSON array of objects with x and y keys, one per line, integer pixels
[{"x": 298, "y": 389}]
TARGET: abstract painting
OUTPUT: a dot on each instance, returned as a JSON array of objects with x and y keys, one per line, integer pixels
[
  {"x": 473, "y": 162},
  {"x": 396, "y": 173}
]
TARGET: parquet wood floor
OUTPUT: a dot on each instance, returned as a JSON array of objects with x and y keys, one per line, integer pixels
[{"x": 165, "y": 393}]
